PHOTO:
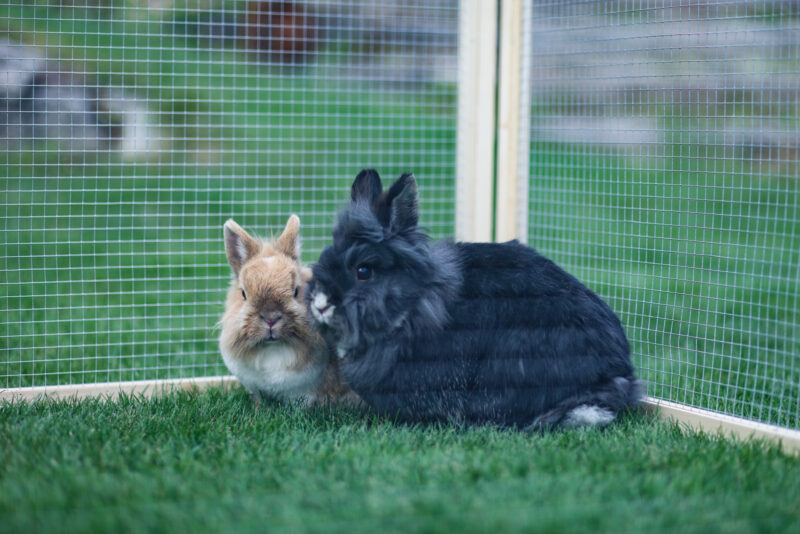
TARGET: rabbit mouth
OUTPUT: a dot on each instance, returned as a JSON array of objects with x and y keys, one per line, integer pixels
[{"x": 269, "y": 339}]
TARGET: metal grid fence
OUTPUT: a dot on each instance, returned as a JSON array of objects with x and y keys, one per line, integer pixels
[
  {"x": 665, "y": 173},
  {"x": 132, "y": 129},
  {"x": 664, "y": 161}
]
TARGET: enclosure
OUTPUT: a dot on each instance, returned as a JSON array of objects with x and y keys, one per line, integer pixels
[{"x": 650, "y": 148}]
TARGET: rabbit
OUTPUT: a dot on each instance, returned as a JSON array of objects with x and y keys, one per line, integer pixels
[
  {"x": 266, "y": 340},
  {"x": 471, "y": 333}
]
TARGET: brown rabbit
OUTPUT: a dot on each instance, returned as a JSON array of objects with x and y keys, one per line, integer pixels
[{"x": 266, "y": 340}]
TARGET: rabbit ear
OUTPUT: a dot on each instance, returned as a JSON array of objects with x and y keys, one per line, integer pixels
[
  {"x": 239, "y": 246},
  {"x": 289, "y": 241},
  {"x": 402, "y": 199},
  {"x": 367, "y": 186}
]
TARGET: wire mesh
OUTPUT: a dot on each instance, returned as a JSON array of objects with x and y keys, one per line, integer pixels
[
  {"x": 665, "y": 173},
  {"x": 132, "y": 129}
]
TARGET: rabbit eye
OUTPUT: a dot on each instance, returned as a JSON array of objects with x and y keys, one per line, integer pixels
[
  {"x": 296, "y": 292},
  {"x": 244, "y": 296},
  {"x": 363, "y": 272}
]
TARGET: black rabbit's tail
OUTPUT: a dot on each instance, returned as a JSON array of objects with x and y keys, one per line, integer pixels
[{"x": 598, "y": 407}]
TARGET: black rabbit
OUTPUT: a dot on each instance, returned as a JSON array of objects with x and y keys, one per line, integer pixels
[{"x": 468, "y": 332}]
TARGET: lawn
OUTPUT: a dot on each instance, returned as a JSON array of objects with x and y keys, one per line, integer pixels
[{"x": 209, "y": 462}]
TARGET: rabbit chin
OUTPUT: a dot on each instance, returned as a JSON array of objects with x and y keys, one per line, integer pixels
[{"x": 272, "y": 369}]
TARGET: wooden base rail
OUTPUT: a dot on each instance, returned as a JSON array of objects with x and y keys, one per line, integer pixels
[
  {"x": 147, "y": 388},
  {"x": 728, "y": 425}
]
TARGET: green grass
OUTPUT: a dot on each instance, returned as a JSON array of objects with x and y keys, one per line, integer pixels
[{"x": 211, "y": 463}]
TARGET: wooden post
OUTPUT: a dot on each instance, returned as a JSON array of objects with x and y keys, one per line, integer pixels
[
  {"x": 513, "y": 122},
  {"x": 477, "y": 65}
]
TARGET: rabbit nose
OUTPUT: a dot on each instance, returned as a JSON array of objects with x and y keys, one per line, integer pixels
[{"x": 271, "y": 317}]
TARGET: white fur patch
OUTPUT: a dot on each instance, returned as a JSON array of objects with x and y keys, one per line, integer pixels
[
  {"x": 321, "y": 303},
  {"x": 588, "y": 415},
  {"x": 270, "y": 371},
  {"x": 269, "y": 259},
  {"x": 320, "y": 300}
]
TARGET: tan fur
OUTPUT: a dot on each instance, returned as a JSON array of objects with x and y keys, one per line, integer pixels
[
  {"x": 269, "y": 273},
  {"x": 333, "y": 388}
]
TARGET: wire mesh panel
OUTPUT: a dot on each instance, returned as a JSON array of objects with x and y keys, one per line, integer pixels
[
  {"x": 132, "y": 129},
  {"x": 665, "y": 173}
]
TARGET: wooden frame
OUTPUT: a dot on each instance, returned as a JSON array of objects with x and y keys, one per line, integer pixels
[
  {"x": 112, "y": 390},
  {"x": 698, "y": 419},
  {"x": 512, "y": 119},
  {"x": 477, "y": 71}
]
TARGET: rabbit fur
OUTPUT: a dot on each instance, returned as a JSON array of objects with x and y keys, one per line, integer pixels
[
  {"x": 477, "y": 333},
  {"x": 266, "y": 339}
]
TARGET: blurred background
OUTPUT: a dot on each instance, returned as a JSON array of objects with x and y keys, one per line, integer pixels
[
  {"x": 664, "y": 170},
  {"x": 132, "y": 129}
]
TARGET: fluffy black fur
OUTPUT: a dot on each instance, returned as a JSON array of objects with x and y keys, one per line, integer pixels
[{"x": 470, "y": 332}]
